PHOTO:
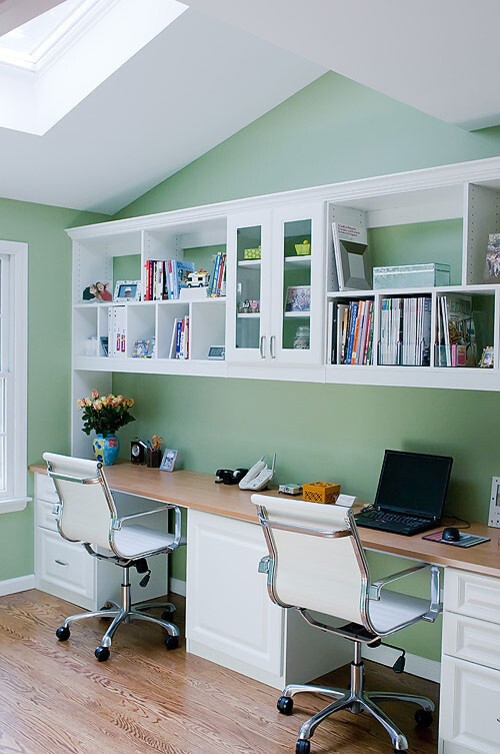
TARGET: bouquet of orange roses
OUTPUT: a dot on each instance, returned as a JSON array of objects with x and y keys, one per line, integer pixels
[{"x": 105, "y": 413}]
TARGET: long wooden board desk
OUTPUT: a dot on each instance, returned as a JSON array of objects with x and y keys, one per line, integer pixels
[{"x": 193, "y": 490}]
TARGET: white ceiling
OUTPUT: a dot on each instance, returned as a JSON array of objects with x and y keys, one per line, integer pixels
[
  {"x": 439, "y": 56},
  {"x": 14, "y": 13}
]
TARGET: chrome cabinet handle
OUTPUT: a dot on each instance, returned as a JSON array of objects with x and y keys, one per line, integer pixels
[
  {"x": 271, "y": 346},
  {"x": 262, "y": 347},
  {"x": 60, "y": 562}
]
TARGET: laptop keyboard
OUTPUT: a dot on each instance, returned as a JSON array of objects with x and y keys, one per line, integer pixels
[{"x": 384, "y": 517}]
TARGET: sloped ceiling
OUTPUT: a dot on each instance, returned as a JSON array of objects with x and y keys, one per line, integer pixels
[{"x": 14, "y": 13}]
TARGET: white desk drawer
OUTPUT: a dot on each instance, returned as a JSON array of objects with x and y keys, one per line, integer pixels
[
  {"x": 64, "y": 564},
  {"x": 472, "y": 595},
  {"x": 45, "y": 489},
  {"x": 473, "y": 640},
  {"x": 44, "y": 515},
  {"x": 470, "y": 705}
]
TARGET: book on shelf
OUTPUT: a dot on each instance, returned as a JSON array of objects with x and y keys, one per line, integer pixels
[
  {"x": 405, "y": 331},
  {"x": 180, "y": 342},
  {"x": 166, "y": 278},
  {"x": 351, "y": 332},
  {"x": 217, "y": 279},
  {"x": 455, "y": 332}
]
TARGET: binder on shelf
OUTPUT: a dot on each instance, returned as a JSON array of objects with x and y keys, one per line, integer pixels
[{"x": 117, "y": 337}]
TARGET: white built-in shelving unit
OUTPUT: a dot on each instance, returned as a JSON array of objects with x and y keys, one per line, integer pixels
[{"x": 260, "y": 343}]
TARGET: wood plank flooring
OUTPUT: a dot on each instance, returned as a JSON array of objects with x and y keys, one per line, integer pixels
[{"x": 55, "y": 698}]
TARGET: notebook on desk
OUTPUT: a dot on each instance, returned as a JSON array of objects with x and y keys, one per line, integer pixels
[{"x": 410, "y": 494}]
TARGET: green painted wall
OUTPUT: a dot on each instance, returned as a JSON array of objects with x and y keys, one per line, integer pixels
[
  {"x": 332, "y": 130},
  {"x": 49, "y": 352}
]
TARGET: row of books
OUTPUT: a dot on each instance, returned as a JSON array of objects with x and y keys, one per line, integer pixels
[
  {"x": 351, "y": 332},
  {"x": 405, "y": 331},
  {"x": 165, "y": 278},
  {"x": 455, "y": 332},
  {"x": 180, "y": 343},
  {"x": 217, "y": 279}
]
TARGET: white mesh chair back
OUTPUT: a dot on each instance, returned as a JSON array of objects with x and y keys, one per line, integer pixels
[
  {"x": 318, "y": 573},
  {"x": 86, "y": 510}
]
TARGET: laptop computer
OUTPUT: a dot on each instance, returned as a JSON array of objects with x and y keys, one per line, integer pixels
[{"x": 410, "y": 494}]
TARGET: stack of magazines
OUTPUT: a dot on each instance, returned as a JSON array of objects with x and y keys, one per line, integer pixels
[{"x": 405, "y": 331}]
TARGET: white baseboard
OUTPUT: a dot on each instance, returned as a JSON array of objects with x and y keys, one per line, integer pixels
[
  {"x": 415, "y": 665},
  {"x": 178, "y": 587},
  {"x": 21, "y": 584}
]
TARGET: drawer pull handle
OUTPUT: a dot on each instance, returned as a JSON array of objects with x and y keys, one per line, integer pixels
[{"x": 61, "y": 562}]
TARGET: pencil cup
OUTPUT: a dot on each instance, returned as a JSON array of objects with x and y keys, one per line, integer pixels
[{"x": 153, "y": 458}]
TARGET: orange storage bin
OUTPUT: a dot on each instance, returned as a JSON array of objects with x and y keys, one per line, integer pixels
[{"x": 321, "y": 492}]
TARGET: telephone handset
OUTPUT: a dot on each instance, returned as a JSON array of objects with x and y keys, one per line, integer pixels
[{"x": 259, "y": 476}]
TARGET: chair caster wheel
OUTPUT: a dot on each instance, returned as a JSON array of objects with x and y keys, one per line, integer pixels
[
  {"x": 302, "y": 747},
  {"x": 63, "y": 633},
  {"x": 102, "y": 654},
  {"x": 285, "y": 705},
  {"x": 171, "y": 642},
  {"x": 423, "y": 718},
  {"x": 168, "y": 615}
]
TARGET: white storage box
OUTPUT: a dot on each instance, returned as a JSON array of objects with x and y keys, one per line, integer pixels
[{"x": 411, "y": 276}]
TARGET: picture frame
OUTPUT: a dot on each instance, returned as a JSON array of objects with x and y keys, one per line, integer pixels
[
  {"x": 492, "y": 262},
  {"x": 127, "y": 290},
  {"x": 168, "y": 460},
  {"x": 298, "y": 298},
  {"x": 353, "y": 263},
  {"x": 144, "y": 348},
  {"x": 487, "y": 358}
]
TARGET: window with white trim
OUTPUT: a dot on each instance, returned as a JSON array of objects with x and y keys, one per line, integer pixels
[{"x": 13, "y": 375}]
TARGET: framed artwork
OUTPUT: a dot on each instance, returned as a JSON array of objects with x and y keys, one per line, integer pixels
[
  {"x": 298, "y": 298},
  {"x": 487, "y": 357},
  {"x": 352, "y": 260},
  {"x": 127, "y": 290},
  {"x": 168, "y": 460}
]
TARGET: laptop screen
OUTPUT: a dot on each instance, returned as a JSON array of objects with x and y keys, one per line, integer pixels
[{"x": 413, "y": 483}]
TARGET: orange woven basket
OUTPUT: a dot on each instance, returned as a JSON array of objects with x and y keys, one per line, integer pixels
[{"x": 321, "y": 492}]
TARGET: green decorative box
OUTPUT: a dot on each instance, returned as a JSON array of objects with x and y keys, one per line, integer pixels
[
  {"x": 303, "y": 249},
  {"x": 252, "y": 253}
]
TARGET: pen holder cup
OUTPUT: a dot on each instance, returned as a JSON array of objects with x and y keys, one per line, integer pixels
[{"x": 153, "y": 458}]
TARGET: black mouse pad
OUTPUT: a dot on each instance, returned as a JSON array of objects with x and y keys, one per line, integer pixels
[{"x": 466, "y": 540}]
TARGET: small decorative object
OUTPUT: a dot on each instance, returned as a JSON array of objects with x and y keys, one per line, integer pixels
[
  {"x": 153, "y": 455},
  {"x": 137, "y": 451},
  {"x": 104, "y": 415},
  {"x": 411, "y": 276},
  {"x": 352, "y": 260},
  {"x": 298, "y": 298},
  {"x": 321, "y": 492},
  {"x": 303, "y": 249},
  {"x": 97, "y": 292},
  {"x": 127, "y": 290},
  {"x": 252, "y": 253},
  {"x": 144, "y": 349},
  {"x": 492, "y": 268},
  {"x": 487, "y": 357},
  {"x": 217, "y": 353},
  {"x": 198, "y": 279},
  {"x": 255, "y": 306},
  {"x": 301, "y": 340},
  {"x": 290, "y": 489},
  {"x": 168, "y": 460}
]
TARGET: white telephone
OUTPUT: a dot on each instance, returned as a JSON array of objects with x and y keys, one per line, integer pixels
[{"x": 259, "y": 476}]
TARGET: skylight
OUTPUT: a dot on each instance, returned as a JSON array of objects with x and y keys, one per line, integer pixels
[{"x": 27, "y": 45}]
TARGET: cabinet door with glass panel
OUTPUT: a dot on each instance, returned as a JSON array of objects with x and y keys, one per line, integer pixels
[
  {"x": 248, "y": 285},
  {"x": 297, "y": 283}
]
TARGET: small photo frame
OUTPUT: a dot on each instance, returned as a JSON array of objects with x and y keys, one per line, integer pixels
[
  {"x": 298, "y": 298},
  {"x": 168, "y": 460},
  {"x": 487, "y": 357},
  {"x": 492, "y": 266},
  {"x": 127, "y": 290},
  {"x": 352, "y": 260},
  {"x": 144, "y": 348}
]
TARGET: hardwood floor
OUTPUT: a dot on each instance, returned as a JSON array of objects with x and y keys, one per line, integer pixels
[{"x": 55, "y": 698}]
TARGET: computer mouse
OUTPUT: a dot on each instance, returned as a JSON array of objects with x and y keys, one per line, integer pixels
[{"x": 450, "y": 534}]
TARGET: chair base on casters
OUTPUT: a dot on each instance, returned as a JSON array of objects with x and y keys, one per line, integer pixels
[
  {"x": 125, "y": 613},
  {"x": 357, "y": 700}
]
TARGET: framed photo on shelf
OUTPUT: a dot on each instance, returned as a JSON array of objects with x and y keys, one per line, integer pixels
[
  {"x": 487, "y": 357},
  {"x": 127, "y": 290},
  {"x": 492, "y": 267},
  {"x": 168, "y": 460},
  {"x": 298, "y": 298},
  {"x": 352, "y": 260}
]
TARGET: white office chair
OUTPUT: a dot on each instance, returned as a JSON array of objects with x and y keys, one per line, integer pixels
[
  {"x": 87, "y": 514},
  {"x": 316, "y": 563}
]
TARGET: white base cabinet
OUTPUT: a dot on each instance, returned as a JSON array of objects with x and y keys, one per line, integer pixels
[
  {"x": 470, "y": 668},
  {"x": 66, "y": 570},
  {"x": 230, "y": 618}
]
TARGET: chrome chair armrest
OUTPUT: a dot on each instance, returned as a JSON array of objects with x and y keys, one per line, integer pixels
[
  {"x": 377, "y": 586},
  {"x": 117, "y": 522}
]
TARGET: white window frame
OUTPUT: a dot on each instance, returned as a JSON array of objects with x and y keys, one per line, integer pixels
[{"x": 15, "y": 353}]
